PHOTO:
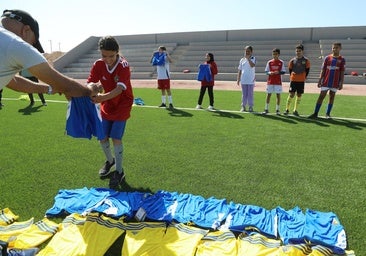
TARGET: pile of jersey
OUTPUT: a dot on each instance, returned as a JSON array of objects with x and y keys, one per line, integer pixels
[{"x": 187, "y": 224}]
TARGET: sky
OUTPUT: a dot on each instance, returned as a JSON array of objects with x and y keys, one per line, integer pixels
[{"x": 65, "y": 24}]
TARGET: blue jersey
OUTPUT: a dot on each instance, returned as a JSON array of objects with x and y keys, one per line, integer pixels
[
  {"x": 204, "y": 73},
  {"x": 83, "y": 119}
]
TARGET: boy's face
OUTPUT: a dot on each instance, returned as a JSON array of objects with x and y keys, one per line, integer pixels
[
  {"x": 275, "y": 55},
  {"x": 336, "y": 49},
  {"x": 299, "y": 53},
  {"x": 109, "y": 57}
]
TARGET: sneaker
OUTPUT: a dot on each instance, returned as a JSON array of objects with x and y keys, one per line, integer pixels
[
  {"x": 162, "y": 105},
  {"x": 278, "y": 112},
  {"x": 295, "y": 113},
  {"x": 1, "y": 105},
  {"x": 171, "y": 106},
  {"x": 23, "y": 252},
  {"x": 243, "y": 109},
  {"x": 210, "y": 107},
  {"x": 286, "y": 112},
  {"x": 44, "y": 104},
  {"x": 116, "y": 179},
  {"x": 265, "y": 112},
  {"x": 327, "y": 116},
  {"x": 199, "y": 107},
  {"x": 104, "y": 171},
  {"x": 251, "y": 109},
  {"x": 313, "y": 116}
]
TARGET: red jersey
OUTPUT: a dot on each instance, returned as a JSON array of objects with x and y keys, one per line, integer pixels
[
  {"x": 118, "y": 108},
  {"x": 273, "y": 66},
  {"x": 214, "y": 71},
  {"x": 332, "y": 69}
]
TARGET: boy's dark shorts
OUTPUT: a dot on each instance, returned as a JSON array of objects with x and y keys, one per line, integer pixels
[{"x": 297, "y": 87}]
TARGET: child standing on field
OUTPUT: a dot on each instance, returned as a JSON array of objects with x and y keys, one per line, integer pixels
[
  {"x": 206, "y": 74},
  {"x": 161, "y": 60},
  {"x": 275, "y": 68},
  {"x": 299, "y": 68},
  {"x": 113, "y": 72},
  {"x": 331, "y": 79},
  {"x": 246, "y": 78}
]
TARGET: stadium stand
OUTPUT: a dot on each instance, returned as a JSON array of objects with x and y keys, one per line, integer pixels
[{"x": 188, "y": 50}]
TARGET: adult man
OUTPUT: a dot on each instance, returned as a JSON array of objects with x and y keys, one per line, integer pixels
[{"x": 19, "y": 41}]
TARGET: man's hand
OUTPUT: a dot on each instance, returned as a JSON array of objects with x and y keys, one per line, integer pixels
[{"x": 95, "y": 88}]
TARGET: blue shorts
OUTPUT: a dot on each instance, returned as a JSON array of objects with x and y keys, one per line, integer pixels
[{"x": 114, "y": 129}]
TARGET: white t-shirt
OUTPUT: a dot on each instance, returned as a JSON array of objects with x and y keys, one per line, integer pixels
[
  {"x": 163, "y": 70},
  {"x": 247, "y": 72},
  {"x": 15, "y": 55}
]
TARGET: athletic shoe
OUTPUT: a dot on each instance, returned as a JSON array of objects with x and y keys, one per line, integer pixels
[
  {"x": 44, "y": 104},
  {"x": 104, "y": 171},
  {"x": 210, "y": 107},
  {"x": 116, "y": 179},
  {"x": 199, "y": 107},
  {"x": 162, "y": 105},
  {"x": 265, "y": 112},
  {"x": 278, "y": 112},
  {"x": 327, "y": 116},
  {"x": 171, "y": 106},
  {"x": 23, "y": 252},
  {"x": 250, "y": 109},
  {"x": 243, "y": 109},
  {"x": 286, "y": 112},
  {"x": 295, "y": 113},
  {"x": 313, "y": 116}
]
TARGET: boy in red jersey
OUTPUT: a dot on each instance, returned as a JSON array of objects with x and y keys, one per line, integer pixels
[
  {"x": 275, "y": 68},
  {"x": 331, "y": 79},
  {"x": 113, "y": 72}
]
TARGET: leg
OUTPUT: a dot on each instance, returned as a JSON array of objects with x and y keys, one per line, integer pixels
[
  {"x": 250, "y": 97},
  {"x": 211, "y": 95},
  {"x": 42, "y": 98},
  {"x": 202, "y": 93},
  {"x": 330, "y": 104},
  {"x": 31, "y": 98}
]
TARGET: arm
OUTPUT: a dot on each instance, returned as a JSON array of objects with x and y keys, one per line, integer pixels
[
  {"x": 109, "y": 95},
  {"x": 59, "y": 82},
  {"x": 238, "y": 77},
  {"x": 21, "y": 84}
]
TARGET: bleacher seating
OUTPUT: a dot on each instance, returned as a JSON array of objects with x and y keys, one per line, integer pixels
[{"x": 187, "y": 56}]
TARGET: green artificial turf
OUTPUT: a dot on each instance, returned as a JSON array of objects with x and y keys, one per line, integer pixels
[{"x": 267, "y": 161}]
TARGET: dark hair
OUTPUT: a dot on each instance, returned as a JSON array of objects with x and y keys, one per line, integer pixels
[
  {"x": 338, "y": 44},
  {"x": 248, "y": 47},
  {"x": 108, "y": 43},
  {"x": 211, "y": 57},
  {"x": 300, "y": 47},
  {"x": 162, "y": 47},
  {"x": 276, "y": 50}
]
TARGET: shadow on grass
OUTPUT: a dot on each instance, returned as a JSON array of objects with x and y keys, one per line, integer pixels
[
  {"x": 352, "y": 124},
  {"x": 30, "y": 110},
  {"x": 226, "y": 114},
  {"x": 178, "y": 113}
]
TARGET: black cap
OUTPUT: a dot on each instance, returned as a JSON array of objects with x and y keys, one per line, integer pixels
[{"x": 26, "y": 19}]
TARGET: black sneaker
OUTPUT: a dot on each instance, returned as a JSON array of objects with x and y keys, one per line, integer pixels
[
  {"x": 295, "y": 113},
  {"x": 163, "y": 105},
  {"x": 278, "y": 112},
  {"x": 286, "y": 112},
  {"x": 313, "y": 116},
  {"x": 327, "y": 116},
  {"x": 265, "y": 112},
  {"x": 171, "y": 106},
  {"x": 116, "y": 179},
  {"x": 104, "y": 171}
]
